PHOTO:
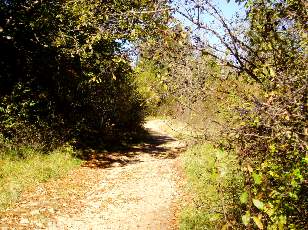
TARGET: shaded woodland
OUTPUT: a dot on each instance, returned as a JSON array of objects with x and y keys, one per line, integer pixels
[{"x": 65, "y": 73}]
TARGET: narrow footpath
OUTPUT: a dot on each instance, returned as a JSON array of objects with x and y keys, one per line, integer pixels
[{"x": 134, "y": 189}]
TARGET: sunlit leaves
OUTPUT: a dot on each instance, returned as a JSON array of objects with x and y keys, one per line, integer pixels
[
  {"x": 246, "y": 218},
  {"x": 272, "y": 137},
  {"x": 258, "y": 221},
  {"x": 259, "y": 204},
  {"x": 244, "y": 197},
  {"x": 257, "y": 178}
]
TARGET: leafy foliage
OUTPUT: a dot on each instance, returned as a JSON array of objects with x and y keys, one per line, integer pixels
[
  {"x": 267, "y": 50},
  {"x": 215, "y": 179},
  {"x": 65, "y": 74},
  {"x": 274, "y": 139}
]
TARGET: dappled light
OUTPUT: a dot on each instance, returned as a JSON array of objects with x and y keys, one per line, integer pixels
[{"x": 155, "y": 143}]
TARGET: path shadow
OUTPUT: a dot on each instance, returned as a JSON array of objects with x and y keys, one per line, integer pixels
[{"x": 153, "y": 143}]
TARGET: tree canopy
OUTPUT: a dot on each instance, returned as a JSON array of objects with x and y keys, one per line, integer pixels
[{"x": 64, "y": 67}]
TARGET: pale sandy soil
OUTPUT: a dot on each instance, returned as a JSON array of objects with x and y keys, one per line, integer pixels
[{"x": 135, "y": 189}]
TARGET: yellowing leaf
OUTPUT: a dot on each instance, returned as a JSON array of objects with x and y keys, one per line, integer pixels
[
  {"x": 282, "y": 222},
  {"x": 259, "y": 204},
  {"x": 184, "y": 35},
  {"x": 269, "y": 209},
  {"x": 226, "y": 226},
  {"x": 272, "y": 72},
  {"x": 258, "y": 222},
  {"x": 250, "y": 169}
]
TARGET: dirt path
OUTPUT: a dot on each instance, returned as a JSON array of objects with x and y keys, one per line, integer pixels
[{"x": 135, "y": 189}]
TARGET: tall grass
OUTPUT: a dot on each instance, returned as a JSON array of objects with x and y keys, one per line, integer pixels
[
  {"x": 214, "y": 182},
  {"x": 25, "y": 167}
]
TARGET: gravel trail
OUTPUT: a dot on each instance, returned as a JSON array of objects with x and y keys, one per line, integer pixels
[{"x": 136, "y": 189}]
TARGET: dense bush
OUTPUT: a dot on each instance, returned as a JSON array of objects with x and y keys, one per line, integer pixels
[
  {"x": 64, "y": 73},
  {"x": 265, "y": 95},
  {"x": 215, "y": 180},
  {"x": 273, "y": 139}
]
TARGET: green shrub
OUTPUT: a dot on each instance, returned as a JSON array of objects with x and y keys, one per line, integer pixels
[
  {"x": 66, "y": 72},
  {"x": 215, "y": 182},
  {"x": 272, "y": 140}
]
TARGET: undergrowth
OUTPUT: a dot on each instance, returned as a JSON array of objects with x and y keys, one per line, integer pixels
[
  {"x": 24, "y": 167},
  {"x": 215, "y": 183}
]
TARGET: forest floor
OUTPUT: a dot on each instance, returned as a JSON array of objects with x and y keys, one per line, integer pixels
[{"x": 139, "y": 188}]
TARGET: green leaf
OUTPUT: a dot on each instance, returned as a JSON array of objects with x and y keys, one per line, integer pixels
[
  {"x": 258, "y": 222},
  {"x": 257, "y": 178},
  {"x": 244, "y": 197},
  {"x": 282, "y": 222},
  {"x": 297, "y": 174},
  {"x": 246, "y": 218},
  {"x": 259, "y": 204}
]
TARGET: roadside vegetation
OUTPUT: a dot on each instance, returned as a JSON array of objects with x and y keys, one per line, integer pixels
[
  {"x": 215, "y": 182},
  {"x": 246, "y": 93},
  {"x": 24, "y": 167}
]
